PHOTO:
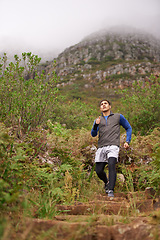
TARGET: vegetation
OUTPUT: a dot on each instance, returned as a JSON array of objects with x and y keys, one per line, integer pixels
[
  {"x": 26, "y": 96},
  {"x": 44, "y": 143},
  {"x": 74, "y": 114},
  {"x": 142, "y": 105},
  {"x": 116, "y": 77},
  {"x": 93, "y": 61}
]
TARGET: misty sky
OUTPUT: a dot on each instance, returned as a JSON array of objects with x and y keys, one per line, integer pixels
[{"x": 44, "y": 26}]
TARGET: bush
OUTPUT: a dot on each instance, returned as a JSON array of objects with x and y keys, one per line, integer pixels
[
  {"x": 109, "y": 58},
  {"x": 143, "y": 170},
  {"x": 141, "y": 105},
  {"x": 74, "y": 114},
  {"x": 24, "y": 175},
  {"x": 93, "y": 61},
  {"x": 26, "y": 95}
]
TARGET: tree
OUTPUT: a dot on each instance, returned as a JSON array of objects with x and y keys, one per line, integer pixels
[{"x": 26, "y": 95}]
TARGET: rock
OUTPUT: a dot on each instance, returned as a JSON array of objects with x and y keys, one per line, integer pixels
[
  {"x": 89, "y": 153},
  {"x": 149, "y": 193},
  {"x": 121, "y": 178}
]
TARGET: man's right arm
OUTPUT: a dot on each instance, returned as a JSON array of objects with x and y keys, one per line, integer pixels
[{"x": 95, "y": 129}]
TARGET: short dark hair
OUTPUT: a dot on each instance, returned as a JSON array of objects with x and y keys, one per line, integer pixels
[{"x": 105, "y": 100}]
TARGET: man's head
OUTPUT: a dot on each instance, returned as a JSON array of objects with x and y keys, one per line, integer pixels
[
  {"x": 105, "y": 107},
  {"x": 105, "y": 100}
]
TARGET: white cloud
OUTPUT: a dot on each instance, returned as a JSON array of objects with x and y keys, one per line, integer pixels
[{"x": 52, "y": 25}]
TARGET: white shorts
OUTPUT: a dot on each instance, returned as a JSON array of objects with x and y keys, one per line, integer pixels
[{"x": 104, "y": 153}]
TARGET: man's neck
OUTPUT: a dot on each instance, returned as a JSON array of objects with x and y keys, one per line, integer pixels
[{"x": 107, "y": 113}]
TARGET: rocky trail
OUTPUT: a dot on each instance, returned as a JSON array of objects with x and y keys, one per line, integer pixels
[{"x": 133, "y": 216}]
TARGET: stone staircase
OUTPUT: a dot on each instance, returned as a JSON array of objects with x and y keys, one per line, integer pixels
[{"x": 132, "y": 216}]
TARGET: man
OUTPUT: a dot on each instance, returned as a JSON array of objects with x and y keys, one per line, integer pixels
[{"x": 108, "y": 126}]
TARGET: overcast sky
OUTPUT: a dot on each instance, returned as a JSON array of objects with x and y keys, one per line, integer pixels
[{"x": 44, "y": 26}]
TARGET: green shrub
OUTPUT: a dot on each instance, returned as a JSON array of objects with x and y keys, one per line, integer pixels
[
  {"x": 26, "y": 95},
  {"x": 74, "y": 114},
  {"x": 141, "y": 105},
  {"x": 108, "y": 58},
  {"x": 118, "y": 76},
  {"x": 93, "y": 61},
  {"x": 23, "y": 175},
  {"x": 144, "y": 170}
]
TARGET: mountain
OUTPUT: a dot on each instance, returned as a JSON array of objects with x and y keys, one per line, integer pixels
[
  {"x": 108, "y": 60},
  {"x": 114, "y": 44}
]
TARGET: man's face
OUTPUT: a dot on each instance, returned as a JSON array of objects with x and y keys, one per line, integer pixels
[{"x": 104, "y": 106}]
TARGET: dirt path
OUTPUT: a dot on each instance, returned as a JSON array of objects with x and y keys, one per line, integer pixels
[{"x": 125, "y": 217}]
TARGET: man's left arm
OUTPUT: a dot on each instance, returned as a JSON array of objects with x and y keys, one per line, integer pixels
[{"x": 125, "y": 124}]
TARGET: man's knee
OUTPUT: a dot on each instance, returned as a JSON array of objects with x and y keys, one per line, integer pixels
[
  {"x": 99, "y": 169},
  {"x": 99, "y": 172},
  {"x": 112, "y": 162}
]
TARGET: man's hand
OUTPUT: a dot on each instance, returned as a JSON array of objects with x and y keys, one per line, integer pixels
[
  {"x": 98, "y": 120},
  {"x": 126, "y": 145}
]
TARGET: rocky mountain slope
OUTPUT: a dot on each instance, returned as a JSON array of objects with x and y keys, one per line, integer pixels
[
  {"x": 116, "y": 44},
  {"x": 110, "y": 59}
]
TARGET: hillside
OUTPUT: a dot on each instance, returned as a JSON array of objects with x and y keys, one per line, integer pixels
[
  {"x": 49, "y": 192},
  {"x": 107, "y": 60},
  {"x": 49, "y": 187}
]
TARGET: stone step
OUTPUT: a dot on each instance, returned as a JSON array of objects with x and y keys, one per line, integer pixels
[
  {"x": 94, "y": 208},
  {"x": 115, "y": 206},
  {"x": 138, "y": 228}
]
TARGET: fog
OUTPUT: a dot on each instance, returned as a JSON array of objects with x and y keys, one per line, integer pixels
[{"x": 47, "y": 27}]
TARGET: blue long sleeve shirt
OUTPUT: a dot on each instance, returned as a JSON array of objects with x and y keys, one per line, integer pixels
[{"x": 123, "y": 122}]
